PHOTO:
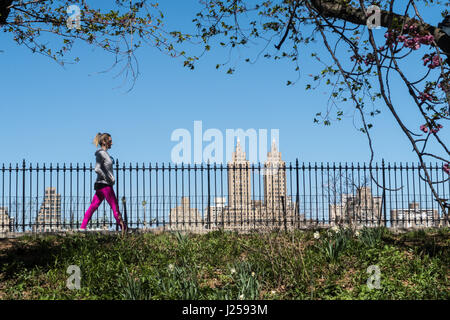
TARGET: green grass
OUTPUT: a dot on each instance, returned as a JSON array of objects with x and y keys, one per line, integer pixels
[{"x": 226, "y": 265}]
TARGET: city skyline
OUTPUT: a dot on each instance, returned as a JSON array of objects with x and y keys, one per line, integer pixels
[{"x": 239, "y": 206}]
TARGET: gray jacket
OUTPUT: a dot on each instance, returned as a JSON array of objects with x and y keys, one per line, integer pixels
[{"x": 104, "y": 167}]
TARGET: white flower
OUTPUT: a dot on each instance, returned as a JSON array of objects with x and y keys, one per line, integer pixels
[
  {"x": 335, "y": 229},
  {"x": 171, "y": 266},
  {"x": 316, "y": 235},
  {"x": 233, "y": 270},
  {"x": 357, "y": 233},
  {"x": 241, "y": 297},
  {"x": 273, "y": 292},
  {"x": 253, "y": 274}
]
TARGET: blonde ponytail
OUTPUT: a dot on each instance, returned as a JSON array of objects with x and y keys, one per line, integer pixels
[
  {"x": 97, "y": 139},
  {"x": 101, "y": 138}
]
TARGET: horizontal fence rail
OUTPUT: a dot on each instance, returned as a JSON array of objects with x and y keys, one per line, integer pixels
[{"x": 208, "y": 197}]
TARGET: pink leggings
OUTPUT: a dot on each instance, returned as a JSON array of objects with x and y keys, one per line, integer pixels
[{"x": 100, "y": 195}]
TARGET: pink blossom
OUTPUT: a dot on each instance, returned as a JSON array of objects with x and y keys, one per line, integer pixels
[
  {"x": 411, "y": 39},
  {"x": 434, "y": 59},
  {"x": 424, "y": 128},
  {"x": 425, "y": 96},
  {"x": 357, "y": 58},
  {"x": 435, "y": 62},
  {"x": 412, "y": 43},
  {"x": 428, "y": 39},
  {"x": 446, "y": 168},
  {"x": 369, "y": 59},
  {"x": 444, "y": 86},
  {"x": 438, "y": 127}
]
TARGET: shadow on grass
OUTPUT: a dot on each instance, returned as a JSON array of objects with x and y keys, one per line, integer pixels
[
  {"x": 27, "y": 255},
  {"x": 24, "y": 254},
  {"x": 433, "y": 245}
]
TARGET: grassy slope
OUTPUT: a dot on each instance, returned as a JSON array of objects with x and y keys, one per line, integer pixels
[{"x": 222, "y": 265}]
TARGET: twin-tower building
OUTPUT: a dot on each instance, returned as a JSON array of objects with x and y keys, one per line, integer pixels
[{"x": 242, "y": 211}]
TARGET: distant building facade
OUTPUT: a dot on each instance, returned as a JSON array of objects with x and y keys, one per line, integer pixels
[
  {"x": 414, "y": 217},
  {"x": 362, "y": 209},
  {"x": 275, "y": 192},
  {"x": 49, "y": 216},
  {"x": 214, "y": 214},
  {"x": 185, "y": 218},
  {"x": 6, "y": 222},
  {"x": 239, "y": 181}
]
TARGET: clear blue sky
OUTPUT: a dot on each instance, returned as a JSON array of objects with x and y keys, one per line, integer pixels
[{"x": 51, "y": 114}]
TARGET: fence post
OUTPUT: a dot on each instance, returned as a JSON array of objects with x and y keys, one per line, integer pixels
[
  {"x": 384, "y": 191},
  {"x": 284, "y": 214},
  {"x": 117, "y": 188},
  {"x": 209, "y": 199},
  {"x": 163, "y": 201},
  {"x": 298, "y": 197},
  {"x": 124, "y": 200},
  {"x": 23, "y": 195}
]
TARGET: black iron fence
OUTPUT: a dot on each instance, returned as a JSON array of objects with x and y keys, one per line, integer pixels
[{"x": 211, "y": 196}]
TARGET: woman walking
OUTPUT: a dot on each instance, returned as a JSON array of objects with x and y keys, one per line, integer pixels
[{"x": 105, "y": 181}]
